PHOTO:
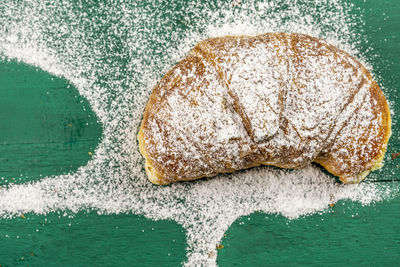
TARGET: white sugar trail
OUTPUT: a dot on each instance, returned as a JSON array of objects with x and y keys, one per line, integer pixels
[{"x": 62, "y": 40}]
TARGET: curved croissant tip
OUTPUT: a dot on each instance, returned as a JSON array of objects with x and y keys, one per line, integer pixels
[
  {"x": 361, "y": 176},
  {"x": 354, "y": 179},
  {"x": 151, "y": 174}
]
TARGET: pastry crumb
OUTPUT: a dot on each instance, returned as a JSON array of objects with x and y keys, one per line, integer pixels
[
  {"x": 220, "y": 246},
  {"x": 395, "y": 155}
]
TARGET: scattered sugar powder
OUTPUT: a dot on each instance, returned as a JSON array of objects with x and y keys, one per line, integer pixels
[{"x": 115, "y": 55}]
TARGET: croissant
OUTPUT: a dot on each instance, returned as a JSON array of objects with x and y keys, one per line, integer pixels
[{"x": 278, "y": 99}]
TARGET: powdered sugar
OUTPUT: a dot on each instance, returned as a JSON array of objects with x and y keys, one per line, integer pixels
[{"x": 115, "y": 55}]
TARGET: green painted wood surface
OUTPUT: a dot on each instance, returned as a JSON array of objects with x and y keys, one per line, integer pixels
[
  {"x": 90, "y": 240},
  {"x": 347, "y": 235},
  {"x": 47, "y": 128},
  {"x": 32, "y": 102}
]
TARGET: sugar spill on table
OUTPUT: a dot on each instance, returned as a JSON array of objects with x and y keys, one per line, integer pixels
[{"x": 115, "y": 55}]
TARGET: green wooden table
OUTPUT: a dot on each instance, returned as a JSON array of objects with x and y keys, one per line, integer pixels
[{"x": 47, "y": 128}]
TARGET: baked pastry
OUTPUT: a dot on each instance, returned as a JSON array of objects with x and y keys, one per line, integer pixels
[{"x": 278, "y": 99}]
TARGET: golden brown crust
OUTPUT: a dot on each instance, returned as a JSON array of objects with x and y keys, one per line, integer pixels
[
  {"x": 365, "y": 165},
  {"x": 347, "y": 136}
]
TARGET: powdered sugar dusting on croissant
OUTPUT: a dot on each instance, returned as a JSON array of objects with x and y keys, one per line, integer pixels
[{"x": 276, "y": 99}]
